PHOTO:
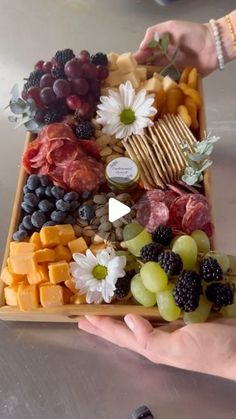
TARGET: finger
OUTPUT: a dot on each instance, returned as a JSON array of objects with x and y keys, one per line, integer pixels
[
  {"x": 172, "y": 327},
  {"x": 141, "y": 328},
  {"x": 142, "y": 56}
]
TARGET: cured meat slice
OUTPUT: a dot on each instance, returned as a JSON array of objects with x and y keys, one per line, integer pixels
[
  {"x": 156, "y": 195},
  {"x": 59, "y": 131},
  {"x": 90, "y": 147},
  {"x": 194, "y": 199},
  {"x": 29, "y": 154},
  {"x": 177, "y": 189},
  {"x": 53, "y": 145},
  {"x": 189, "y": 188},
  {"x": 84, "y": 179},
  {"x": 177, "y": 210},
  {"x": 196, "y": 218},
  {"x": 170, "y": 196},
  {"x": 66, "y": 152},
  {"x": 56, "y": 174},
  {"x": 158, "y": 214},
  {"x": 43, "y": 170},
  {"x": 209, "y": 229}
]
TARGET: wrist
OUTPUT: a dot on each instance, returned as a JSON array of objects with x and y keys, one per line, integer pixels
[{"x": 226, "y": 36}]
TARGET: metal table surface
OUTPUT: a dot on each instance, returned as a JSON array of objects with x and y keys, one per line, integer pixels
[{"x": 53, "y": 371}]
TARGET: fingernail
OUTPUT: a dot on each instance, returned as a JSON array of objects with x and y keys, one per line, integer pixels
[{"x": 128, "y": 320}]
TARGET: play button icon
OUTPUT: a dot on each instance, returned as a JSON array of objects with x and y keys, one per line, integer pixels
[{"x": 116, "y": 210}]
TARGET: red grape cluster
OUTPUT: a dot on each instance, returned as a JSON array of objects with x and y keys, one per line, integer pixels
[{"x": 66, "y": 84}]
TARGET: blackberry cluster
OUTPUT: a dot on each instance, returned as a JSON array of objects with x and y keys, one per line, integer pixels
[
  {"x": 210, "y": 270},
  {"x": 99, "y": 59},
  {"x": 63, "y": 56},
  {"x": 162, "y": 234},
  {"x": 53, "y": 115},
  {"x": 221, "y": 294},
  {"x": 57, "y": 72},
  {"x": 151, "y": 252},
  {"x": 85, "y": 130},
  {"x": 33, "y": 79},
  {"x": 170, "y": 262},
  {"x": 187, "y": 291},
  {"x": 123, "y": 285}
]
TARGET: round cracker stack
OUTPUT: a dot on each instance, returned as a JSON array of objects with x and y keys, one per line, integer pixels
[{"x": 158, "y": 152}]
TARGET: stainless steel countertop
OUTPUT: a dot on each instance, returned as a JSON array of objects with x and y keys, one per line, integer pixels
[{"x": 53, "y": 371}]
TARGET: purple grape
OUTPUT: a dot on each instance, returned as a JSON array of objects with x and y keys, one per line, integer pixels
[
  {"x": 89, "y": 71},
  {"x": 80, "y": 86},
  {"x": 46, "y": 80},
  {"x": 73, "y": 69},
  {"x": 48, "y": 96},
  {"x": 84, "y": 56},
  {"x": 61, "y": 88},
  {"x": 102, "y": 72}
]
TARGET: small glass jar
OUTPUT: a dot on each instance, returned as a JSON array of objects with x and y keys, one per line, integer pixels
[{"x": 122, "y": 174}]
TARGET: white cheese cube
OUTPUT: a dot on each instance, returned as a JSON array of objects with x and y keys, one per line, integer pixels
[
  {"x": 168, "y": 83},
  {"x": 126, "y": 63},
  {"x": 153, "y": 85},
  {"x": 133, "y": 77},
  {"x": 142, "y": 72},
  {"x": 114, "y": 78},
  {"x": 112, "y": 59}
]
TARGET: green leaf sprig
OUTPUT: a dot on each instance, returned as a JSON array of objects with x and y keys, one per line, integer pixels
[
  {"x": 24, "y": 111},
  {"x": 161, "y": 47},
  {"x": 198, "y": 160}
]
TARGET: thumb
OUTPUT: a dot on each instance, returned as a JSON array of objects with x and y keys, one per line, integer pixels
[{"x": 140, "y": 327}]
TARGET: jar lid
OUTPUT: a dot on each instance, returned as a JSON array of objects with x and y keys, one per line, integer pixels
[{"x": 122, "y": 171}]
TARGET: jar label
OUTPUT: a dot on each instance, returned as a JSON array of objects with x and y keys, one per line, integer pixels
[{"x": 122, "y": 170}]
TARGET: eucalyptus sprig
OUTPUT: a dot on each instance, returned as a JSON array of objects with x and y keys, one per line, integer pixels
[
  {"x": 24, "y": 111},
  {"x": 198, "y": 160},
  {"x": 161, "y": 47}
]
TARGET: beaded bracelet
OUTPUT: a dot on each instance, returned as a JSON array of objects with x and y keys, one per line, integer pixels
[
  {"x": 232, "y": 31},
  {"x": 218, "y": 43}
]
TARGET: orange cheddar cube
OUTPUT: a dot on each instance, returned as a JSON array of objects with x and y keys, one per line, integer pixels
[
  {"x": 51, "y": 295},
  {"x": 17, "y": 248},
  {"x": 39, "y": 276},
  {"x": 49, "y": 236},
  {"x": 59, "y": 272},
  {"x": 78, "y": 245},
  {"x": 96, "y": 247},
  {"x": 23, "y": 264},
  {"x": 62, "y": 253},
  {"x": 35, "y": 238},
  {"x": 10, "y": 294},
  {"x": 67, "y": 294},
  {"x": 27, "y": 297},
  {"x": 10, "y": 278},
  {"x": 44, "y": 255},
  {"x": 66, "y": 233},
  {"x": 70, "y": 283},
  {"x": 78, "y": 299}
]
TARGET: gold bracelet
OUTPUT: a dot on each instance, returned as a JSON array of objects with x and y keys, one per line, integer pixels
[{"x": 232, "y": 31}]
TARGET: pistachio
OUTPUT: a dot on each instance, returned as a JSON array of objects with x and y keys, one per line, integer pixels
[
  {"x": 77, "y": 230},
  {"x": 95, "y": 221},
  {"x": 103, "y": 219},
  {"x": 119, "y": 234},
  {"x": 106, "y": 226},
  {"x": 100, "y": 199},
  {"x": 99, "y": 212},
  {"x": 117, "y": 223},
  {"x": 123, "y": 197}
]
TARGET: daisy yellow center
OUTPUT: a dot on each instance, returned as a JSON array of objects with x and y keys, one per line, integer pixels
[
  {"x": 99, "y": 272},
  {"x": 127, "y": 116}
]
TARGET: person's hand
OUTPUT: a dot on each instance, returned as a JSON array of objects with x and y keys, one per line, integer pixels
[
  {"x": 206, "y": 347},
  {"x": 194, "y": 40}
]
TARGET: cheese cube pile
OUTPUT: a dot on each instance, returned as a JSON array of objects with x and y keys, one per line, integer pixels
[{"x": 38, "y": 273}]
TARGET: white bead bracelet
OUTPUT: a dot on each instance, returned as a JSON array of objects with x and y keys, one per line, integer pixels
[{"x": 218, "y": 43}]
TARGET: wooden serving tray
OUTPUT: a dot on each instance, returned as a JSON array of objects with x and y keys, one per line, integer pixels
[{"x": 72, "y": 312}]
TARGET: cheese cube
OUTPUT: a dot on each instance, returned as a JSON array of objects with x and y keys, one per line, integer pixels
[
  {"x": 10, "y": 294},
  {"x": 49, "y": 236},
  {"x": 152, "y": 85},
  {"x": 168, "y": 83},
  {"x": 17, "y": 248},
  {"x": 70, "y": 283},
  {"x": 105, "y": 90},
  {"x": 27, "y": 297},
  {"x": 22, "y": 264},
  {"x": 126, "y": 63},
  {"x": 142, "y": 72},
  {"x": 158, "y": 76},
  {"x": 67, "y": 294},
  {"x": 78, "y": 299},
  {"x": 133, "y": 77},
  {"x": 43, "y": 269},
  {"x": 35, "y": 238},
  {"x": 78, "y": 245},
  {"x": 112, "y": 59},
  {"x": 62, "y": 253},
  {"x": 41, "y": 275},
  {"x": 10, "y": 278},
  {"x": 114, "y": 78},
  {"x": 44, "y": 255},
  {"x": 66, "y": 233},
  {"x": 58, "y": 272},
  {"x": 51, "y": 295},
  {"x": 96, "y": 247}
]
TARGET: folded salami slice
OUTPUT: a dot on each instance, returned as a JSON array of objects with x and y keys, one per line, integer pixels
[{"x": 196, "y": 218}]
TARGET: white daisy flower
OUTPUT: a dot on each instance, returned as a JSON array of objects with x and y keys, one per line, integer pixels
[
  {"x": 96, "y": 276},
  {"x": 124, "y": 113}
]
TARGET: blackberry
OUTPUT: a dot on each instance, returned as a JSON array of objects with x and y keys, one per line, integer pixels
[
  {"x": 51, "y": 116},
  {"x": 162, "y": 234},
  {"x": 123, "y": 285},
  {"x": 187, "y": 291},
  {"x": 33, "y": 79},
  {"x": 63, "y": 56},
  {"x": 99, "y": 59},
  {"x": 150, "y": 252},
  {"x": 210, "y": 270},
  {"x": 220, "y": 294},
  {"x": 57, "y": 72},
  {"x": 170, "y": 262},
  {"x": 85, "y": 130}
]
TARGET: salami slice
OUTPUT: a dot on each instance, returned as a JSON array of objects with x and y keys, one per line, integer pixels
[
  {"x": 66, "y": 152},
  {"x": 189, "y": 188},
  {"x": 170, "y": 196},
  {"x": 84, "y": 179},
  {"x": 180, "y": 191},
  {"x": 90, "y": 148},
  {"x": 29, "y": 154},
  {"x": 209, "y": 229},
  {"x": 194, "y": 199},
  {"x": 158, "y": 214},
  {"x": 196, "y": 218},
  {"x": 56, "y": 174},
  {"x": 177, "y": 210},
  {"x": 59, "y": 131},
  {"x": 156, "y": 195},
  {"x": 44, "y": 169}
]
